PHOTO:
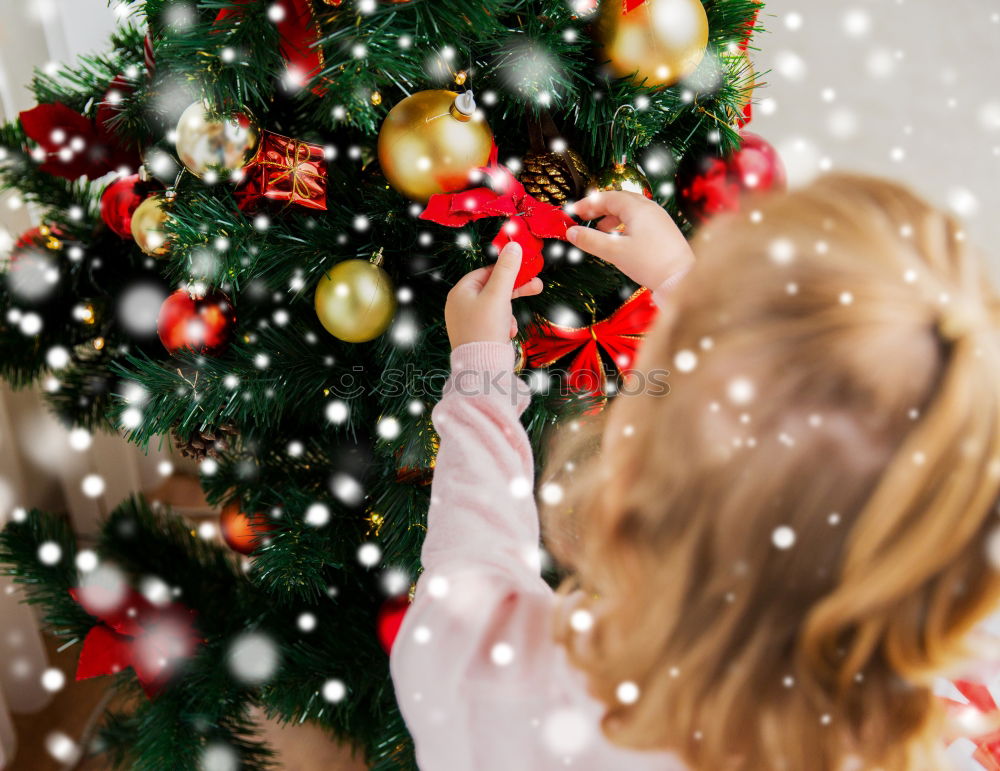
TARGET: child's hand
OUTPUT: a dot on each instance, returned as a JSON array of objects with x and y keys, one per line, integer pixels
[
  {"x": 639, "y": 238},
  {"x": 478, "y": 308}
]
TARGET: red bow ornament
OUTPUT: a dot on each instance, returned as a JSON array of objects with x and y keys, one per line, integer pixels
[
  {"x": 981, "y": 710},
  {"x": 71, "y": 145},
  {"x": 618, "y": 336},
  {"x": 298, "y": 32},
  {"x": 133, "y": 632},
  {"x": 529, "y": 220}
]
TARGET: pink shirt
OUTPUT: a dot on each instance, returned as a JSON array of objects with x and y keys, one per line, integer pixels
[{"x": 479, "y": 679}]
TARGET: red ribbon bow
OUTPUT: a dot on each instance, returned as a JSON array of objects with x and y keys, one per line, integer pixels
[
  {"x": 618, "y": 336},
  {"x": 529, "y": 220},
  {"x": 135, "y": 633},
  {"x": 980, "y": 699},
  {"x": 298, "y": 32},
  {"x": 73, "y": 144}
]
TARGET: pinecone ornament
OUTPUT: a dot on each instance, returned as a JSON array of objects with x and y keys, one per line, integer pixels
[
  {"x": 555, "y": 177},
  {"x": 205, "y": 442}
]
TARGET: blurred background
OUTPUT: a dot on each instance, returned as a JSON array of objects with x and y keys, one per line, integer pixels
[{"x": 900, "y": 88}]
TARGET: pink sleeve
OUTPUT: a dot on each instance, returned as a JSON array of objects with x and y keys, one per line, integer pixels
[
  {"x": 661, "y": 294},
  {"x": 478, "y": 676},
  {"x": 482, "y": 511}
]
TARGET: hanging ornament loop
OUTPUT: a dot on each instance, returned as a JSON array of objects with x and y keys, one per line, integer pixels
[
  {"x": 464, "y": 106},
  {"x": 619, "y": 153}
]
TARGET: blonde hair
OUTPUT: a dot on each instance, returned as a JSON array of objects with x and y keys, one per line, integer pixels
[{"x": 841, "y": 391}]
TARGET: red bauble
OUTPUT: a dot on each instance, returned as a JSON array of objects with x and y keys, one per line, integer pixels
[
  {"x": 390, "y": 618},
  {"x": 202, "y": 323},
  {"x": 119, "y": 200},
  {"x": 710, "y": 185},
  {"x": 239, "y": 531}
]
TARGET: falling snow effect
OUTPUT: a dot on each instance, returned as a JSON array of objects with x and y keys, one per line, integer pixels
[
  {"x": 103, "y": 586},
  {"x": 317, "y": 515},
  {"x": 62, "y": 748},
  {"x": 219, "y": 757},
  {"x": 53, "y": 680},
  {"x": 369, "y": 555},
  {"x": 253, "y": 658},
  {"x": 567, "y": 732},
  {"x": 783, "y": 537},
  {"x": 334, "y": 691},
  {"x": 49, "y": 553}
]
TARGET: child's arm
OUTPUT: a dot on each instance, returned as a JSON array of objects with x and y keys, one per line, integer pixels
[
  {"x": 479, "y": 678},
  {"x": 482, "y": 514},
  {"x": 635, "y": 235},
  {"x": 481, "y": 586}
]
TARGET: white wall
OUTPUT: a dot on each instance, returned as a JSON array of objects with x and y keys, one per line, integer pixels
[
  {"x": 914, "y": 94},
  {"x": 33, "y": 32}
]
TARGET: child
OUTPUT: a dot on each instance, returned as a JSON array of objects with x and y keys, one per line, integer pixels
[{"x": 773, "y": 559}]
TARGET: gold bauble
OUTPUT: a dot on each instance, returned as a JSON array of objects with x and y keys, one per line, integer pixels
[
  {"x": 147, "y": 226},
  {"x": 355, "y": 301},
  {"x": 519, "y": 357},
  {"x": 206, "y": 144},
  {"x": 660, "y": 41},
  {"x": 623, "y": 176},
  {"x": 431, "y": 141}
]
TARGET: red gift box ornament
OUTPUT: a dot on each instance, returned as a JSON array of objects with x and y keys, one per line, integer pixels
[
  {"x": 151, "y": 639},
  {"x": 618, "y": 336},
  {"x": 529, "y": 220},
  {"x": 285, "y": 169}
]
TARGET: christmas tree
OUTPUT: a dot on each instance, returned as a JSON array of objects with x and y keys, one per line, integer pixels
[{"x": 251, "y": 214}]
